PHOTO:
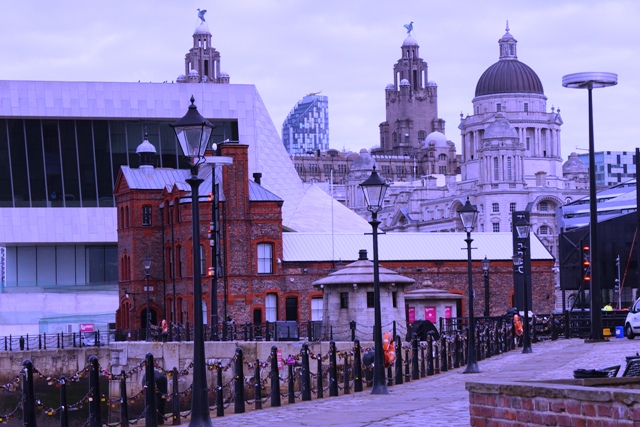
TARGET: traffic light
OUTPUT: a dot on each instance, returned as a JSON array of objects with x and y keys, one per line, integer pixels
[{"x": 586, "y": 263}]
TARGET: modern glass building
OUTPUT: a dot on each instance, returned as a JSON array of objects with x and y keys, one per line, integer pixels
[
  {"x": 612, "y": 167},
  {"x": 306, "y": 128}
]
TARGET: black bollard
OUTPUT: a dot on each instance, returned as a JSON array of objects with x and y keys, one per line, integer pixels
[
  {"x": 39, "y": 342},
  {"x": 28, "y": 342},
  {"x": 333, "y": 369},
  {"x": 45, "y": 340},
  {"x": 64, "y": 412},
  {"x": 62, "y": 340},
  {"x": 407, "y": 374},
  {"x": 357, "y": 367},
  {"x": 399, "y": 377},
  {"x": 28, "y": 395},
  {"x": 275, "y": 378},
  {"x": 389, "y": 376},
  {"x": 124, "y": 402},
  {"x": 151, "y": 408},
  {"x": 175, "y": 398},
  {"x": 238, "y": 399},
  {"x": 394, "y": 332},
  {"x": 430, "y": 370},
  {"x": 306, "y": 374},
  {"x": 422, "y": 361},
  {"x": 95, "y": 414},
  {"x": 258, "y": 386},
  {"x": 21, "y": 343},
  {"x": 414, "y": 357},
  {"x": 291, "y": 394},
  {"x": 444, "y": 365},
  {"x": 352, "y": 326},
  {"x": 345, "y": 375},
  {"x": 219, "y": 393},
  {"x": 320, "y": 377},
  {"x": 457, "y": 350}
]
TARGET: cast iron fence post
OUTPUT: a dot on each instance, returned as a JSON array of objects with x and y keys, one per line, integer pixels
[
  {"x": 357, "y": 367},
  {"x": 64, "y": 412},
  {"x": 333, "y": 370},
  {"x": 219, "y": 393},
  {"x": 151, "y": 409},
  {"x": 28, "y": 395},
  {"x": 306, "y": 374},
  {"x": 399, "y": 379},
  {"x": 124, "y": 402},
  {"x": 258, "y": 385},
  {"x": 175, "y": 399},
  {"x": 320, "y": 377},
  {"x": 275, "y": 378},
  {"x": 238, "y": 399},
  {"x": 95, "y": 413},
  {"x": 414, "y": 357}
]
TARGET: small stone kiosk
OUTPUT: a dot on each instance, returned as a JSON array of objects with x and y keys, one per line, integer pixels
[
  {"x": 431, "y": 304},
  {"x": 348, "y": 295}
]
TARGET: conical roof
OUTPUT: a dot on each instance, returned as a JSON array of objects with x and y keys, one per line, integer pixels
[{"x": 361, "y": 272}]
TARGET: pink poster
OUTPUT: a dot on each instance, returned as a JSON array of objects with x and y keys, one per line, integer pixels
[
  {"x": 412, "y": 314},
  {"x": 430, "y": 314},
  {"x": 447, "y": 312}
]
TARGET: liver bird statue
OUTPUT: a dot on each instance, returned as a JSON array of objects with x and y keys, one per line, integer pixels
[
  {"x": 202, "y": 12},
  {"x": 408, "y": 26}
]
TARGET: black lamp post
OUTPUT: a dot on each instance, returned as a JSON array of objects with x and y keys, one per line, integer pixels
[
  {"x": 485, "y": 270},
  {"x": 374, "y": 189},
  {"x": 520, "y": 261},
  {"x": 469, "y": 215},
  {"x": 146, "y": 262},
  {"x": 590, "y": 81},
  {"x": 193, "y": 133}
]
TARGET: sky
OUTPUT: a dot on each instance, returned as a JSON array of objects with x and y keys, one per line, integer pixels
[{"x": 345, "y": 50}]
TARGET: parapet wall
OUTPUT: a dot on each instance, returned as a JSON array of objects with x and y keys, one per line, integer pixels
[{"x": 603, "y": 402}]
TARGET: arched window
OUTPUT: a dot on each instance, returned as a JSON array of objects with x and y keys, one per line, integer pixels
[
  {"x": 442, "y": 157},
  {"x": 544, "y": 230}
]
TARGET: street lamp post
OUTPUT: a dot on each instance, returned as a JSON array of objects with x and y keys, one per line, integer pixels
[
  {"x": 374, "y": 189},
  {"x": 146, "y": 262},
  {"x": 193, "y": 133},
  {"x": 520, "y": 261},
  {"x": 485, "y": 270},
  {"x": 590, "y": 81},
  {"x": 469, "y": 215}
]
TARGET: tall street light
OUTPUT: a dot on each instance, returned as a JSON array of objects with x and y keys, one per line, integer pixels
[
  {"x": 485, "y": 270},
  {"x": 590, "y": 81},
  {"x": 146, "y": 262},
  {"x": 193, "y": 133},
  {"x": 469, "y": 215},
  {"x": 374, "y": 189},
  {"x": 523, "y": 227}
]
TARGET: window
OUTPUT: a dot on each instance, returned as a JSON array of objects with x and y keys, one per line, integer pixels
[
  {"x": 400, "y": 170},
  {"x": 326, "y": 167},
  {"x": 146, "y": 215},
  {"x": 495, "y": 207},
  {"x": 544, "y": 230},
  {"x": 370, "y": 300},
  {"x": 498, "y": 107},
  {"x": 394, "y": 299},
  {"x": 342, "y": 168},
  {"x": 509, "y": 169},
  {"x": 442, "y": 157},
  {"x": 317, "y": 308},
  {"x": 179, "y": 261},
  {"x": 344, "y": 299},
  {"x": 543, "y": 207},
  {"x": 170, "y": 263},
  {"x": 386, "y": 169},
  {"x": 526, "y": 107},
  {"x": 496, "y": 169},
  {"x": 512, "y": 207},
  {"x": 271, "y": 307},
  {"x": 291, "y": 309},
  {"x": 265, "y": 258},
  {"x": 528, "y": 142},
  {"x": 442, "y": 170},
  {"x": 496, "y": 227},
  {"x": 313, "y": 167},
  {"x": 203, "y": 261}
]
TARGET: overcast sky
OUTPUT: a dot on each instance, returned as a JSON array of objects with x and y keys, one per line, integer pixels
[{"x": 346, "y": 49}]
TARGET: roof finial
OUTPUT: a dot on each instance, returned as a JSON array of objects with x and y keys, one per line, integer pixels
[
  {"x": 409, "y": 27},
  {"x": 507, "y": 25}
]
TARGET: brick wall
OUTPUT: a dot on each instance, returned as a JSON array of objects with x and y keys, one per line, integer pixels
[{"x": 616, "y": 402}]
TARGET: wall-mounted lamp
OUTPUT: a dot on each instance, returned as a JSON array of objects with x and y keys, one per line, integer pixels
[
  {"x": 355, "y": 287},
  {"x": 305, "y": 271},
  {"x": 279, "y": 261}
]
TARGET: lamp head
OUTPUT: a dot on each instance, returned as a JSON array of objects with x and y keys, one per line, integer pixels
[
  {"x": 468, "y": 215},
  {"x": 374, "y": 189},
  {"x": 146, "y": 262},
  {"x": 193, "y": 132},
  {"x": 523, "y": 227},
  {"x": 485, "y": 264}
]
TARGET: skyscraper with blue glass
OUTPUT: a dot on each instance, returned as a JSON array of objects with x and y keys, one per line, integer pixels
[{"x": 306, "y": 128}]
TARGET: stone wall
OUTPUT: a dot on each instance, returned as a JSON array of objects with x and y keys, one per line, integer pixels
[{"x": 594, "y": 402}]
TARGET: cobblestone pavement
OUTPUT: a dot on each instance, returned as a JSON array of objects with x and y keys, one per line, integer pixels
[{"x": 440, "y": 400}]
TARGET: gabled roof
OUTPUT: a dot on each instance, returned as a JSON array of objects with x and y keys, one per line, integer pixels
[{"x": 258, "y": 193}]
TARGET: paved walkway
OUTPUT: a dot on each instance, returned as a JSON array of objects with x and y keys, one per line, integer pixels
[{"x": 440, "y": 400}]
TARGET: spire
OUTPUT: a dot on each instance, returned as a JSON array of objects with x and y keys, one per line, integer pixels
[{"x": 508, "y": 45}]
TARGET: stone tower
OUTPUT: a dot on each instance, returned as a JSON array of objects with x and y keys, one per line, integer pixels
[
  {"x": 202, "y": 63},
  {"x": 411, "y": 104}
]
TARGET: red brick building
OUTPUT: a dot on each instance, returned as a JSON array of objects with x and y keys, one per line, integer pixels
[{"x": 260, "y": 280}]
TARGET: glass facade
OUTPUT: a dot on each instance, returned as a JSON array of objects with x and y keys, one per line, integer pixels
[
  {"x": 306, "y": 128},
  {"x": 62, "y": 265},
  {"x": 74, "y": 163}
]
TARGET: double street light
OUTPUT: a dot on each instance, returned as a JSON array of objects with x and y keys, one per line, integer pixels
[
  {"x": 468, "y": 216},
  {"x": 590, "y": 81},
  {"x": 146, "y": 262},
  {"x": 193, "y": 133},
  {"x": 523, "y": 228},
  {"x": 374, "y": 189}
]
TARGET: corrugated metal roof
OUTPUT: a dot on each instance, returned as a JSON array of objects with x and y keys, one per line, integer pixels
[{"x": 404, "y": 246}]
